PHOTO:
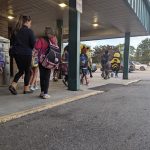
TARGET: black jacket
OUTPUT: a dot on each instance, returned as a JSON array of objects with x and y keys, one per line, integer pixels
[
  {"x": 22, "y": 43},
  {"x": 104, "y": 59}
]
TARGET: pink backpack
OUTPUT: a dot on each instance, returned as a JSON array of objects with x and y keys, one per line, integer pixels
[{"x": 51, "y": 58}]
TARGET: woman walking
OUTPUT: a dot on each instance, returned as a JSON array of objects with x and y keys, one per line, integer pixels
[{"x": 22, "y": 44}]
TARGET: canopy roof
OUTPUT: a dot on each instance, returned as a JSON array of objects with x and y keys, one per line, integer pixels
[{"x": 114, "y": 17}]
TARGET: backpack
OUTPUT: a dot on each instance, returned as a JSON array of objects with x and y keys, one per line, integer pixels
[
  {"x": 2, "y": 62},
  {"x": 83, "y": 60},
  {"x": 51, "y": 59}
]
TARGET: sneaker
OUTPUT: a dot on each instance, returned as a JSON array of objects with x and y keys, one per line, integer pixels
[
  {"x": 42, "y": 94},
  {"x": 36, "y": 87},
  {"x": 46, "y": 96},
  {"x": 32, "y": 88}
]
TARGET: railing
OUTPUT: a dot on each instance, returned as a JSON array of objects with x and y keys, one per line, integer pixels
[{"x": 142, "y": 10}]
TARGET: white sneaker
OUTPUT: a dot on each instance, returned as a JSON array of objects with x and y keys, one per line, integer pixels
[
  {"x": 32, "y": 88},
  {"x": 36, "y": 87},
  {"x": 46, "y": 96}
]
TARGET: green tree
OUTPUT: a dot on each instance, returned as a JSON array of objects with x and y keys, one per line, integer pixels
[
  {"x": 143, "y": 51},
  {"x": 99, "y": 50},
  {"x": 132, "y": 51}
]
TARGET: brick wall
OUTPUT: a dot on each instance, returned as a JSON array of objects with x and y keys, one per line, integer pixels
[{"x": 3, "y": 27}]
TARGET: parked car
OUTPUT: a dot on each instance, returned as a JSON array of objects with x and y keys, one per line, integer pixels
[
  {"x": 94, "y": 67},
  {"x": 139, "y": 66},
  {"x": 131, "y": 67}
]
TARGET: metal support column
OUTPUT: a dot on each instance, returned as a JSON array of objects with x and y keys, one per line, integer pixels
[
  {"x": 126, "y": 56},
  {"x": 60, "y": 39},
  {"x": 74, "y": 47},
  {"x": 60, "y": 34}
]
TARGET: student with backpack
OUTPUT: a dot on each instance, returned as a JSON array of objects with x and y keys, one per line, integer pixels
[
  {"x": 64, "y": 65},
  {"x": 49, "y": 58},
  {"x": 84, "y": 65}
]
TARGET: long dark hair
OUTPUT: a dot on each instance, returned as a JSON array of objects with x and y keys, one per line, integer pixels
[{"x": 21, "y": 21}]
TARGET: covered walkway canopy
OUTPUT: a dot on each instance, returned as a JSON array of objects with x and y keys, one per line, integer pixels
[
  {"x": 114, "y": 17},
  {"x": 100, "y": 19}
]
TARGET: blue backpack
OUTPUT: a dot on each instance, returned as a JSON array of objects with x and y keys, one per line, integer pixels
[{"x": 83, "y": 60}]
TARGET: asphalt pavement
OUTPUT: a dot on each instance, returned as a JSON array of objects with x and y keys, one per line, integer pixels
[{"x": 118, "y": 119}]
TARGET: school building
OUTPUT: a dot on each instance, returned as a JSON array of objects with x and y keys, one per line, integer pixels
[{"x": 78, "y": 20}]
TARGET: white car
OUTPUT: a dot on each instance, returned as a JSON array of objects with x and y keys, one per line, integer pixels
[{"x": 139, "y": 66}]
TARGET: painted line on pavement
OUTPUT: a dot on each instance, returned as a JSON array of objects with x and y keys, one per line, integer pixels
[
  {"x": 130, "y": 82},
  {"x": 20, "y": 114}
]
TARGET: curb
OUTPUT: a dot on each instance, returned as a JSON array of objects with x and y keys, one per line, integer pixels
[
  {"x": 130, "y": 82},
  {"x": 20, "y": 114}
]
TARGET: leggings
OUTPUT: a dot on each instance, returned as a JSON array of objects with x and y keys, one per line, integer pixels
[
  {"x": 24, "y": 66},
  {"x": 44, "y": 78}
]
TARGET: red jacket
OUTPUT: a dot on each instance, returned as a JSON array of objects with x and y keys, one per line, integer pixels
[{"x": 41, "y": 46}]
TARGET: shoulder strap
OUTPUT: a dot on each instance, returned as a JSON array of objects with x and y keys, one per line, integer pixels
[{"x": 47, "y": 40}]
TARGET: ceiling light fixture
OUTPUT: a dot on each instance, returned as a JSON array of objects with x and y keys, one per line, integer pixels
[
  {"x": 62, "y": 5},
  {"x": 95, "y": 24},
  {"x": 10, "y": 17}
]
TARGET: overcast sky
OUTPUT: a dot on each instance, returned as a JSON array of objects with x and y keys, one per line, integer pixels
[{"x": 135, "y": 41}]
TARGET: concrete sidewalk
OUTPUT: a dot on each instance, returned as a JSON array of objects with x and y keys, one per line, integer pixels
[{"x": 16, "y": 106}]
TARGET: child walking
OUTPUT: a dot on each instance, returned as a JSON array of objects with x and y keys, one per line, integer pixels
[{"x": 84, "y": 65}]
